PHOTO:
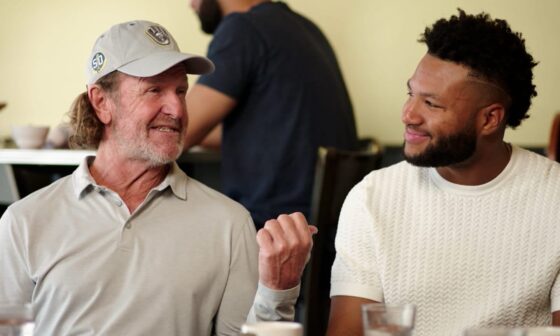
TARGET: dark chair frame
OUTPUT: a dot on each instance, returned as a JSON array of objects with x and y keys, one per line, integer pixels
[{"x": 336, "y": 173}]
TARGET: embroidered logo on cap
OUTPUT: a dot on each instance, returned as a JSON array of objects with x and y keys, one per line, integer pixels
[
  {"x": 158, "y": 34},
  {"x": 97, "y": 62}
]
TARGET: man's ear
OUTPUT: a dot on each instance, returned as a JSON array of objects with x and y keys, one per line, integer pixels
[
  {"x": 492, "y": 118},
  {"x": 102, "y": 103}
]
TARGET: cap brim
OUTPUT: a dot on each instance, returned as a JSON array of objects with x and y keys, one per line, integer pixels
[{"x": 160, "y": 62}]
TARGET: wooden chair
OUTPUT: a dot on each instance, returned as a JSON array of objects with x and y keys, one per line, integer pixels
[
  {"x": 553, "y": 149},
  {"x": 336, "y": 173}
]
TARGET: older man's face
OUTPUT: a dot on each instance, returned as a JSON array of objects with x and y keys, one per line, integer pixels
[{"x": 150, "y": 117}]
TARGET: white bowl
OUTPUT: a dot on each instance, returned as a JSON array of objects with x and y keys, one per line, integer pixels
[
  {"x": 28, "y": 136},
  {"x": 58, "y": 136}
]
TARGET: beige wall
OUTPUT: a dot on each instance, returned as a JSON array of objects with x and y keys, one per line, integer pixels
[{"x": 44, "y": 45}]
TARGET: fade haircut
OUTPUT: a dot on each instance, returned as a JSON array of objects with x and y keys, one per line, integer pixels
[{"x": 492, "y": 51}]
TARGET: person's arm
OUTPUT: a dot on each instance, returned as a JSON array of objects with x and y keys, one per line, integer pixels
[
  {"x": 237, "y": 51},
  {"x": 355, "y": 272},
  {"x": 214, "y": 139},
  {"x": 16, "y": 284},
  {"x": 556, "y": 318},
  {"x": 341, "y": 321},
  {"x": 284, "y": 249},
  {"x": 206, "y": 108},
  {"x": 555, "y": 301},
  {"x": 241, "y": 285}
]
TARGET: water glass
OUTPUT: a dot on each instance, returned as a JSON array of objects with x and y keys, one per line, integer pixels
[
  {"x": 388, "y": 319},
  {"x": 494, "y": 331},
  {"x": 16, "y": 320}
]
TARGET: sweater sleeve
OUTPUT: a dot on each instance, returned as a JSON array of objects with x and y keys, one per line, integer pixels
[
  {"x": 273, "y": 305},
  {"x": 354, "y": 271}
]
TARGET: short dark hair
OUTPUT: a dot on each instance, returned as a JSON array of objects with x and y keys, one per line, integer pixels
[{"x": 492, "y": 50}]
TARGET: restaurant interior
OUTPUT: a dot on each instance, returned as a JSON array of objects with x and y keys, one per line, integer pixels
[{"x": 45, "y": 44}]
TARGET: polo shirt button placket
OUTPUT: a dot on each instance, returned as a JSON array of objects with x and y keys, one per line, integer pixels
[{"x": 127, "y": 236}]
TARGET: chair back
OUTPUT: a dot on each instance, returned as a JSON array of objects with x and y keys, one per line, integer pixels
[
  {"x": 337, "y": 171},
  {"x": 553, "y": 149}
]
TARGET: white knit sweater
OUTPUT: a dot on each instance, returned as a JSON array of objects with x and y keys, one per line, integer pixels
[{"x": 465, "y": 255}]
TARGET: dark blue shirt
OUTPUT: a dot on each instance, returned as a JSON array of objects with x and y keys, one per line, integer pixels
[{"x": 291, "y": 99}]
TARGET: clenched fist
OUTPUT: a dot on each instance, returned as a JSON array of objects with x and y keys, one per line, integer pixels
[{"x": 284, "y": 248}]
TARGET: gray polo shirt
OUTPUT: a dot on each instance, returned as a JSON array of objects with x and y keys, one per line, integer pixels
[{"x": 184, "y": 263}]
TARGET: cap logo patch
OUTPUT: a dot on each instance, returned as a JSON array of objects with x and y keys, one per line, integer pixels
[
  {"x": 97, "y": 62},
  {"x": 158, "y": 34}
]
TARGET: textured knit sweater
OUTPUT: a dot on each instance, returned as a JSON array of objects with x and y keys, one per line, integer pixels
[{"x": 465, "y": 255}]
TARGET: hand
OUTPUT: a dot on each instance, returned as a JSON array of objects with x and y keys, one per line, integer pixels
[{"x": 284, "y": 248}]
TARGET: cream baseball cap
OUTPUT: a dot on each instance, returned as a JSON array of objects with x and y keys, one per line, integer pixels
[{"x": 141, "y": 49}]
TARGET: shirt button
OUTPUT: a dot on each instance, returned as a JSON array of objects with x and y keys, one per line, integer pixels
[
  {"x": 128, "y": 226},
  {"x": 118, "y": 203}
]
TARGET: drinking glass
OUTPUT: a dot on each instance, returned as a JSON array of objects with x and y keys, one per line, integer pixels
[
  {"x": 16, "y": 320},
  {"x": 388, "y": 319},
  {"x": 494, "y": 331}
]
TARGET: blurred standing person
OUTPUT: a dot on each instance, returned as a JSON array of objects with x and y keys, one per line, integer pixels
[{"x": 279, "y": 94}]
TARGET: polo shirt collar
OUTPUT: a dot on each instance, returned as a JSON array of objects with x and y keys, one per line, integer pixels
[
  {"x": 176, "y": 179},
  {"x": 81, "y": 178}
]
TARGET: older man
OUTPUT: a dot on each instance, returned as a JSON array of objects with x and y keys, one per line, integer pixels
[
  {"x": 466, "y": 229},
  {"x": 129, "y": 244}
]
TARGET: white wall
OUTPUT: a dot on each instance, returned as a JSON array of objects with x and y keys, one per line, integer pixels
[{"x": 44, "y": 45}]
